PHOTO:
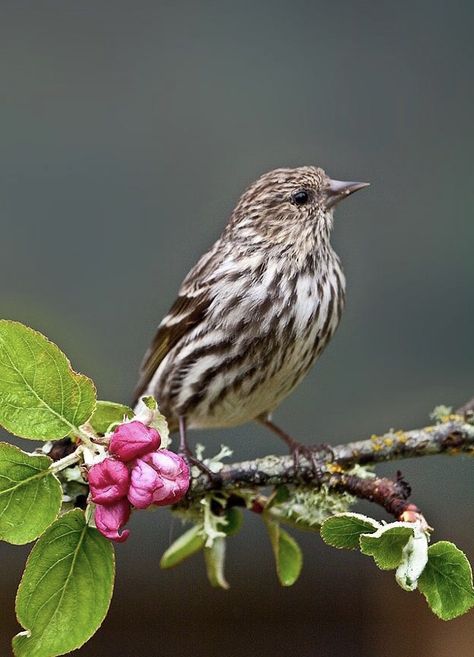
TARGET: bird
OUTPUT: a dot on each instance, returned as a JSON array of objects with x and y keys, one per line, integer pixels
[{"x": 255, "y": 312}]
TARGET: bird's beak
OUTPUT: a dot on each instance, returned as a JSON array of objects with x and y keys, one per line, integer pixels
[{"x": 339, "y": 189}]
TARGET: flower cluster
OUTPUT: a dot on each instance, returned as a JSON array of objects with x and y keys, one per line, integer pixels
[{"x": 137, "y": 473}]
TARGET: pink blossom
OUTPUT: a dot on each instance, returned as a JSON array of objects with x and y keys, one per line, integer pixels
[
  {"x": 133, "y": 439},
  {"x": 160, "y": 478},
  {"x": 108, "y": 481},
  {"x": 112, "y": 517}
]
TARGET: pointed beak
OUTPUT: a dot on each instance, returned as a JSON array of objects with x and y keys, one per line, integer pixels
[{"x": 339, "y": 189}]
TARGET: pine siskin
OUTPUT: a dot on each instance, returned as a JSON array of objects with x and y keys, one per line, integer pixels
[{"x": 257, "y": 309}]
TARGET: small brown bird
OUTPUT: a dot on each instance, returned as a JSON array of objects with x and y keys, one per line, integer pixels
[{"x": 257, "y": 309}]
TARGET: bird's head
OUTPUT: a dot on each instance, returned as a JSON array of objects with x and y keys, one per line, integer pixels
[{"x": 284, "y": 204}]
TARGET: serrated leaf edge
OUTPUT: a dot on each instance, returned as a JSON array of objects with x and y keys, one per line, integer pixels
[
  {"x": 357, "y": 516},
  {"x": 27, "y": 631},
  {"x": 420, "y": 582},
  {"x": 76, "y": 375}
]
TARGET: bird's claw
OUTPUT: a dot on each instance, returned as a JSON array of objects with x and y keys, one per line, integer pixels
[
  {"x": 315, "y": 455},
  {"x": 191, "y": 460}
]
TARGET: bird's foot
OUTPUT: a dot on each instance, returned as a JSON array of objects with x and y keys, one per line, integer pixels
[
  {"x": 191, "y": 460},
  {"x": 315, "y": 455}
]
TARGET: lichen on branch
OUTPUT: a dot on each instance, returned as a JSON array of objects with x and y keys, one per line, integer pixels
[{"x": 452, "y": 434}]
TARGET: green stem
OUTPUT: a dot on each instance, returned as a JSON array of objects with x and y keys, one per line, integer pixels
[
  {"x": 88, "y": 513},
  {"x": 68, "y": 460}
]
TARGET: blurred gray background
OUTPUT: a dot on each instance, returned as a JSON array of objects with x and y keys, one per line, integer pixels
[{"x": 128, "y": 131}]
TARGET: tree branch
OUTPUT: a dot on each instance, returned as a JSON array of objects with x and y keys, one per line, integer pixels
[{"x": 454, "y": 435}]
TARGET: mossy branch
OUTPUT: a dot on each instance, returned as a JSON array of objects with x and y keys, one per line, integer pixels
[
  {"x": 453, "y": 434},
  {"x": 336, "y": 469}
]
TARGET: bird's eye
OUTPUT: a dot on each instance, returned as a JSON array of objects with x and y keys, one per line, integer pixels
[{"x": 300, "y": 197}]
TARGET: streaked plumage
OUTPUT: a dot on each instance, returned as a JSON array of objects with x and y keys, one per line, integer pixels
[{"x": 256, "y": 310}]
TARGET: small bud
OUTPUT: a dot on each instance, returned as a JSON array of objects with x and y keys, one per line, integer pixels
[
  {"x": 160, "y": 478},
  {"x": 112, "y": 517},
  {"x": 133, "y": 439},
  {"x": 108, "y": 481}
]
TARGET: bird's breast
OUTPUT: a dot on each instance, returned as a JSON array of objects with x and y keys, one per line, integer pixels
[{"x": 256, "y": 343}]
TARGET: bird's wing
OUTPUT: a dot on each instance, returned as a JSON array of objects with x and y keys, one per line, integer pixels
[{"x": 189, "y": 309}]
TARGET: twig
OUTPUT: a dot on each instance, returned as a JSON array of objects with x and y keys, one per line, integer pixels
[{"x": 453, "y": 436}]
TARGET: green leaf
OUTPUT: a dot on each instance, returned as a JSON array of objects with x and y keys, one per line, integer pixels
[
  {"x": 214, "y": 557},
  {"x": 344, "y": 530},
  {"x": 147, "y": 411},
  {"x": 279, "y": 496},
  {"x": 65, "y": 590},
  {"x": 282, "y": 494},
  {"x": 288, "y": 555},
  {"x": 185, "y": 546},
  {"x": 234, "y": 520},
  {"x": 387, "y": 543},
  {"x": 160, "y": 423},
  {"x": 30, "y": 495},
  {"x": 109, "y": 413},
  {"x": 446, "y": 581},
  {"x": 150, "y": 402},
  {"x": 41, "y": 397}
]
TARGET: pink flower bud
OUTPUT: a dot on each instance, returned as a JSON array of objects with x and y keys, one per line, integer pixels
[
  {"x": 108, "y": 481},
  {"x": 160, "y": 478},
  {"x": 110, "y": 518},
  {"x": 133, "y": 439}
]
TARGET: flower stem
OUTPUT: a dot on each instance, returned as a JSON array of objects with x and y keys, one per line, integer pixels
[{"x": 68, "y": 460}]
